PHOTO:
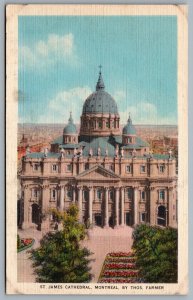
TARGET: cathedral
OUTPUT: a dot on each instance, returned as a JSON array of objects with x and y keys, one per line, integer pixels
[{"x": 109, "y": 172}]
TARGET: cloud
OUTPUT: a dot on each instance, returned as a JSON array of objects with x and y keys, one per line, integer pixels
[
  {"x": 146, "y": 113},
  {"x": 59, "y": 107},
  {"x": 143, "y": 112},
  {"x": 56, "y": 49}
]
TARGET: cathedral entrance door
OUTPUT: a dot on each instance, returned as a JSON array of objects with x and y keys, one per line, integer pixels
[
  {"x": 128, "y": 219},
  {"x": 98, "y": 220},
  {"x": 35, "y": 213},
  {"x": 161, "y": 218},
  {"x": 111, "y": 223}
]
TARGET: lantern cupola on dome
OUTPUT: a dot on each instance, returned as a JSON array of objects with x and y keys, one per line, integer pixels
[
  {"x": 70, "y": 135},
  {"x": 129, "y": 132}
]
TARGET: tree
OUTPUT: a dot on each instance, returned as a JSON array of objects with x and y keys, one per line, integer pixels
[
  {"x": 60, "y": 258},
  {"x": 156, "y": 252}
]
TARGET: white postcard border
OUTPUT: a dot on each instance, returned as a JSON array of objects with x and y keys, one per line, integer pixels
[{"x": 13, "y": 11}]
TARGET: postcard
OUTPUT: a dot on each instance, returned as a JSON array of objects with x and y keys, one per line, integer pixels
[{"x": 96, "y": 149}]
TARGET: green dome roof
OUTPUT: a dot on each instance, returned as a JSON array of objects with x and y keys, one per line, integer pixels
[
  {"x": 129, "y": 129},
  {"x": 70, "y": 128},
  {"x": 100, "y": 101}
]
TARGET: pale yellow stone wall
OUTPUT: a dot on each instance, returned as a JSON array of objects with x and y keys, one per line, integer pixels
[{"x": 110, "y": 173}]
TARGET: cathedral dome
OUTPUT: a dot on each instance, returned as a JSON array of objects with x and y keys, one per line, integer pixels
[
  {"x": 70, "y": 128},
  {"x": 100, "y": 115},
  {"x": 129, "y": 129},
  {"x": 100, "y": 101}
]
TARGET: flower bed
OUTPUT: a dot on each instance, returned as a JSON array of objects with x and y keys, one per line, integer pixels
[
  {"x": 121, "y": 254},
  {"x": 119, "y": 267},
  {"x": 120, "y": 273},
  {"x": 121, "y": 260},
  {"x": 25, "y": 244},
  {"x": 118, "y": 280}
]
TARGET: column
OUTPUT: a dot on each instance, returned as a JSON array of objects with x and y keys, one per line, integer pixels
[
  {"x": 61, "y": 198},
  {"x": 45, "y": 207},
  {"x": 111, "y": 123},
  {"x": 117, "y": 207},
  {"x": 170, "y": 207},
  {"x": 153, "y": 212},
  {"x": 45, "y": 194},
  {"x": 45, "y": 198},
  {"x": 74, "y": 167},
  {"x": 106, "y": 223},
  {"x": 74, "y": 194},
  {"x": 30, "y": 214},
  {"x": 104, "y": 121},
  {"x": 80, "y": 165},
  {"x": 122, "y": 206},
  {"x": 115, "y": 122},
  {"x": 90, "y": 204},
  {"x": 80, "y": 202},
  {"x": 135, "y": 202},
  {"x": 26, "y": 207}
]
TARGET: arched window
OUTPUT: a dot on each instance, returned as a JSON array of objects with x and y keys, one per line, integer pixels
[
  {"x": 108, "y": 124},
  {"x": 69, "y": 194},
  {"x": 99, "y": 124}
]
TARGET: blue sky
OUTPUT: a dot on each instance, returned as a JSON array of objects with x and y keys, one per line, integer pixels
[{"x": 59, "y": 59}]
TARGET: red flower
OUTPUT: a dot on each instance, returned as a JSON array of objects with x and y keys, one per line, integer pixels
[
  {"x": 120, "y": 266},
  {"x": 26, "y": 242},
  {"x": 122, "y": 260},
  {"x": 133, "y": 273},
  {"x": 120, "y": 254},
  {"x": 117, "y": 280}
]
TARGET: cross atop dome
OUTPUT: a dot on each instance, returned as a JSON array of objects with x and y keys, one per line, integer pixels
[
  {"x": 129, "y": 120},
  {"x": 70, "y": 120},
  {"x": 100, "y": 83}
]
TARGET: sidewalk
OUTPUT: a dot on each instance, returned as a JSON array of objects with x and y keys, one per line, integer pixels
[
  {"x": 100, "y": 241},
  {"x": 24, "y": 264}
]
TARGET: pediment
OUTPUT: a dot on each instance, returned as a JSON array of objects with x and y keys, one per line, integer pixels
[{"x": 97, "y": 173}]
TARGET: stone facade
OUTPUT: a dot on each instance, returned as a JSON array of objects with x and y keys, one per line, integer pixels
[{"x": 113, "y": 178}]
